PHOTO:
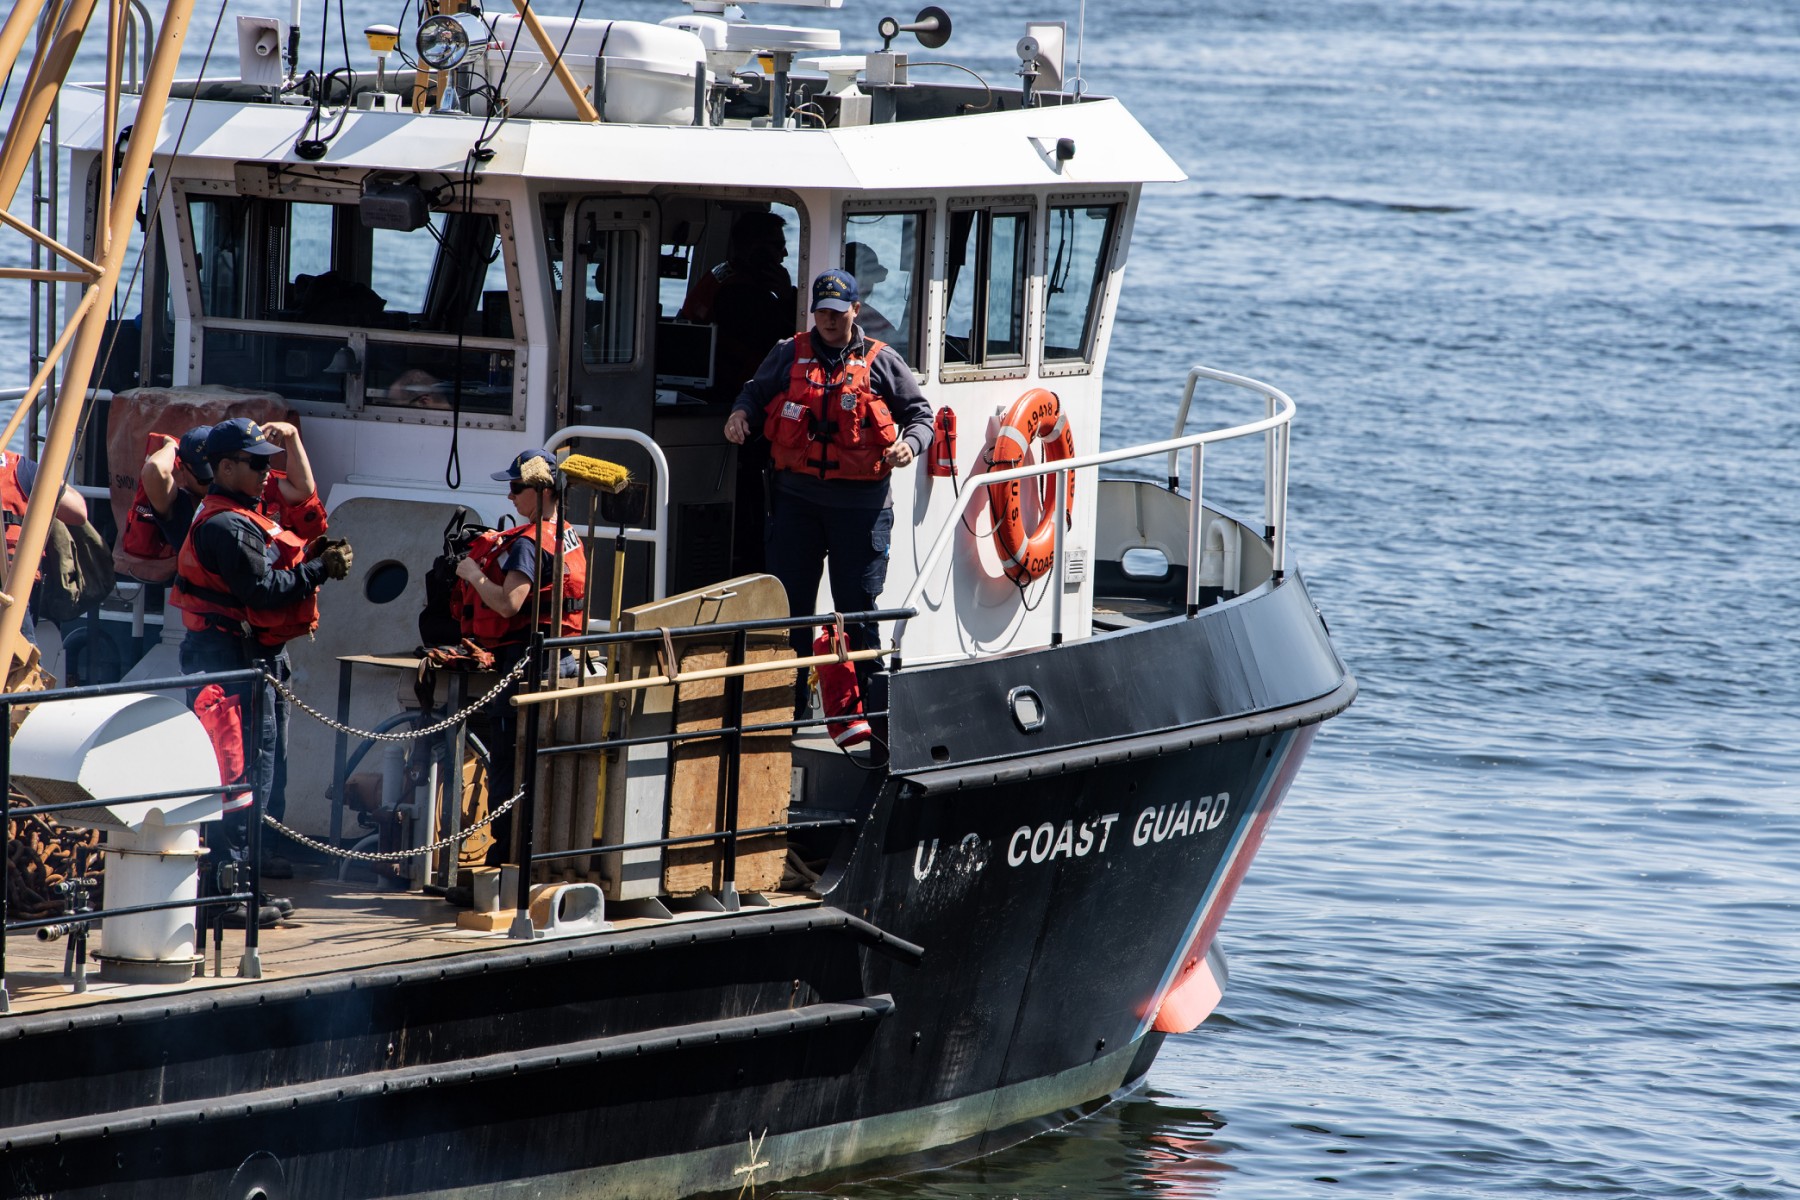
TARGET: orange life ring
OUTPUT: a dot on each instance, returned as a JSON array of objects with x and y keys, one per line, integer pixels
[{"x": 1035, "y": 415}]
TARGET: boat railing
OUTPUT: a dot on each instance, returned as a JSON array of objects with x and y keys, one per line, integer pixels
[
  {"x": 75, "y": 924},
  {"x": 731, "y": 730},
  {"x": 1274, "y": 427}
]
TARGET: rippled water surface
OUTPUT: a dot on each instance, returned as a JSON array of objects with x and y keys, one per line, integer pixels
[{"x": 1527, "y": 924}]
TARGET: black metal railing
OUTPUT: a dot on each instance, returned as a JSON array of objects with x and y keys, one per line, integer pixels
[
  {"x": 731, "y": 731},
  {"x": 77, "y": 923}
]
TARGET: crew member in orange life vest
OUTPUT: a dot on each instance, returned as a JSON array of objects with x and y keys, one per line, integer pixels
[
  {"x": 246, "y": 587},
  {"x": 493, "y": 601},
  {"x": 176, "y": 475},
  {"x": 17, "y": 475},
  {"x": 841, "y": 412},
  {"x": 171, "y": 484}
]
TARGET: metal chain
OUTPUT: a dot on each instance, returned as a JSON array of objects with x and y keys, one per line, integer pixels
[
  {"x": 394, "y": 855},
  {"x": 410, "y": 735}
]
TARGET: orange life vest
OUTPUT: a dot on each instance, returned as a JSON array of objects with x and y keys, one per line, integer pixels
[
  {"x": 832, "y": 428},
  {"x": 142, "y": 536},
  {"x": 12, "y": 502},
  {"x": 305, "y": 520},
  {"x": 562, "y": 619},
  {"x": 206, "y": 600}
]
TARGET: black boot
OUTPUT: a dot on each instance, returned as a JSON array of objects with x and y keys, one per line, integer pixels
[{"x": 266, "y": 916}]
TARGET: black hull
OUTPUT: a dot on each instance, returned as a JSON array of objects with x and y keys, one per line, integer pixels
[{"x": 995, "y": 940}]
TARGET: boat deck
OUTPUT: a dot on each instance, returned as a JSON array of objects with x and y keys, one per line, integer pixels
[{"x": 337, "y": 926}]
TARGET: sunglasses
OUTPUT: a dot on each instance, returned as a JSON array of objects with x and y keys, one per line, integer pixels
[
  {"x": 516, "y": 487},
  {"x": 256, "y": 462}
]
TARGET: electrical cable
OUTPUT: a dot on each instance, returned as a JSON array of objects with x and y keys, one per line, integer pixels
[
  {"x": 105, "y": 359},
  {"x": 978, "y": 79}
]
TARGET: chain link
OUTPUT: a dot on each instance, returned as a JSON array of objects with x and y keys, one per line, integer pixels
[
  {"x": 410, "y": 735},
  {"x": 393, "y": 855}
]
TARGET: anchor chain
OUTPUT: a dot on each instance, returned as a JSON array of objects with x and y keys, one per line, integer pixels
[
  {"x": 410, "y": 735},
  {"x": 390, "y": 855}
]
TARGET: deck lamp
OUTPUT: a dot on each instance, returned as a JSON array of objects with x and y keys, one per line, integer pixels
[{"x": 445, "y": 40}]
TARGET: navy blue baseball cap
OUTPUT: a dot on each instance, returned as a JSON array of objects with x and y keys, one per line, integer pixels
[
  {"x": 190, "y": 450},
  {"x": 514, "y": 473},
  {"x": 239, "y": 435},
  {"x": 836, "y": 290}
]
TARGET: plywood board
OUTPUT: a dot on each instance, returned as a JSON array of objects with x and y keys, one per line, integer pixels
[{"x": 696, "y": 802}]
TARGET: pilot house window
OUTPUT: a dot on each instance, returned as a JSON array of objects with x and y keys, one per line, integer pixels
[
  {"x": 885, "y": 252},
  {"x": 408, "y": 314},
  {"x": 988, "y": 264},
  {"x": 1075, "y": 279},
  {"x": 610, "y": 307}
]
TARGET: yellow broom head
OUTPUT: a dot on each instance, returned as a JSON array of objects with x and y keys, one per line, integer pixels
[{"x": 596, "y": 473}]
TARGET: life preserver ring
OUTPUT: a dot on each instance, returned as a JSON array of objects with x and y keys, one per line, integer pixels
[{"x": 1035, "y": 415}]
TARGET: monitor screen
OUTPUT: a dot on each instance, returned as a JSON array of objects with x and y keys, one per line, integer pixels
[{"x": 684, "y": 354}]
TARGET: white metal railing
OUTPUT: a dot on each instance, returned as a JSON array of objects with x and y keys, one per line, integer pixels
[
  {"x": 1273, "y": 427},
  {"x": 657, "y": 537}
]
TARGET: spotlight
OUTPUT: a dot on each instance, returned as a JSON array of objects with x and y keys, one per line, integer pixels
[{"x": 445, "y": 40}]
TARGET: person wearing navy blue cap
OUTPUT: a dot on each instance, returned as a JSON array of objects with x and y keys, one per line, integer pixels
[
  {"x": 841, "y": 412},
  {"x": 173, "y": 478},
  {"x": 246, "y": 587},
  {"x": 495, "y": 604}
]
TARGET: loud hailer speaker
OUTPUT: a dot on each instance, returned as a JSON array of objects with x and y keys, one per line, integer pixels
[{"x": 388, "y": 204}]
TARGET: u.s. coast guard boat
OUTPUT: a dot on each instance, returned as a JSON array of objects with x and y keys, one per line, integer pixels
[{"x": 738, "y": 954}]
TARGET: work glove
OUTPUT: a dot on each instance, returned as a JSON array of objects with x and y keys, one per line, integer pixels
[{"x": 337, "y": 558}]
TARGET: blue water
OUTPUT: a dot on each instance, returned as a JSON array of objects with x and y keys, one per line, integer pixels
[{"x": 1527, "y": 924}]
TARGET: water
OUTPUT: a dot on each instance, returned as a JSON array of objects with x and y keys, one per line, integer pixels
[{"x": 1526, "y": 926}]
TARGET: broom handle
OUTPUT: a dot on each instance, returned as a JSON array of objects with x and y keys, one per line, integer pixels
[{"x": 612, "y": 660}]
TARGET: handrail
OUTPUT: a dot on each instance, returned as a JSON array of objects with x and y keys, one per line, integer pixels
[
  {"x": 737, "y": 628},
  {"x": 1281, "y": 412},
  {"x": 251, "y": 964},
  {"x": 657, "y": 537},
  {"x": 700, "y": 676}
]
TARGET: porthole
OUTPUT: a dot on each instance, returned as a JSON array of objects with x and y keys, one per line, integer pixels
[
  {"x": 1145, "y": 562},
  {"x": 385, "y": 582}
]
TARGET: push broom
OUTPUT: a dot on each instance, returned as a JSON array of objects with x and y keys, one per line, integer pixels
[{"x": 610, "y": 479}]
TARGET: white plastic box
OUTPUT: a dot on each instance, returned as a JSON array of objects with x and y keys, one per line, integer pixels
[{"x": 650, "y": 69}]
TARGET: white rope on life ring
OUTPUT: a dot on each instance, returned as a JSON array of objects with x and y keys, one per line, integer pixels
[{"x": 1036, "y": 415}]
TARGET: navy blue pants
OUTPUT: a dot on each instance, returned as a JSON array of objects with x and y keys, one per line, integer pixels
[{"x": 804, "y": 539}]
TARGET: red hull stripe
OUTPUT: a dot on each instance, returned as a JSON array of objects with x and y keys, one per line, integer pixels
[{"x": 1217, "y": 898}]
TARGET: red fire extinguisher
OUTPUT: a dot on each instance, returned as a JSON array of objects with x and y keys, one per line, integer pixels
[
  {"x": 839, "y": 693},
  {"x": 942, "y": 459}
]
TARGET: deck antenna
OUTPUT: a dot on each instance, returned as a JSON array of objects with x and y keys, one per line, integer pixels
[
  {"x": 1080, "y": 38},
  {"x": 293, "y": 46}
]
